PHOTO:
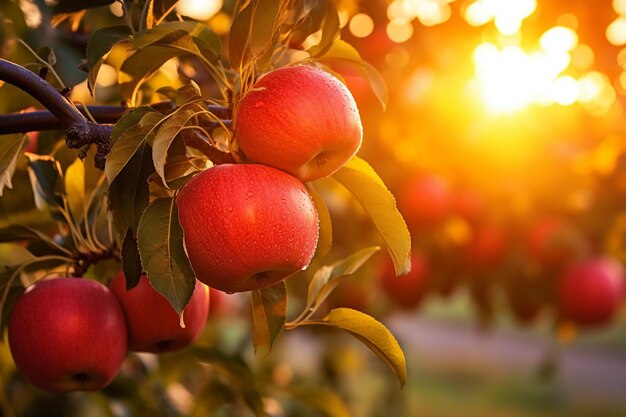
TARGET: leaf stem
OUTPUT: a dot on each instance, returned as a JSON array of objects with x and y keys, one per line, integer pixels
[
  {"x": 164, "y": 15},
  {"x": 42, "y": 62},
  {"x": 127, "y": 17}
]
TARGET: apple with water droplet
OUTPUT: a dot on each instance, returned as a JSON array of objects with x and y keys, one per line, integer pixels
[
  {"x": 299, "y": 119},
  {"x": 68, "y": 334},
  {"x": 591, "y": 291},
  {"x": 153, "y": 325},
  {"x": 247, "y": 226}
]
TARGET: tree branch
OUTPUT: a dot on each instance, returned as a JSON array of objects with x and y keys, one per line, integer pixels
[
  {"x": 62, "y": 113},
  {"x": 80, "y": 132},
  {"x": 42, "y": 91},
  {"x": 46, "y": 120}
]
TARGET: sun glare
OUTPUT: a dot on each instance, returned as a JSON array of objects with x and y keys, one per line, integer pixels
[
  {"x": 199, "y": 9},
  {"x": 507, "y": 15},
  {"x": 511, "y": 78},
  {"x": 427, "y": 12}
]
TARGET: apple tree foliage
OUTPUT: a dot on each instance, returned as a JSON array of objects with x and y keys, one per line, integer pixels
[{"x": 111, "y": 187}]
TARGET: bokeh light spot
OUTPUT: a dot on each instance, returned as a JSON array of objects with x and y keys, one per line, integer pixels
[{"x": 361, "y": 25}]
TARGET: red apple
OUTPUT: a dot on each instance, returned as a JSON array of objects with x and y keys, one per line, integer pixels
[
  {"x": 351, "y": 295},
  {"x": 359, "y": 86},
  {"x": 33, "y": 136},
  {"x": 591, "y": 291},
  {"x": 33, "y": 140},
  {"x": 219, "y": 303},
  {"x": 68, "y": 334},
  {"x": 153, "y": 325},
  {"x": 486, "y": 248},
  {"x": 299, "y": 119},
  {"x": 525, "y": 297},
  {"x": 427, "y": 199},
  {"x": 468, "y": 204},
  {"x": 551, "y": 241},
  {"x": 408, "y": 290},
  {"x": 374, "y": 47},
  {"x": 247, "y": 226}
]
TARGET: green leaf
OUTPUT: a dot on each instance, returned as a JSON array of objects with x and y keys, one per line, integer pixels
[
  {"x": 237, "y": 372},
  {"x": 165, "y": 136},
  {"x": 75, "y": 188},
  {"x": 147, "y": 60},
  {"x": 372, "y": 333},
  {"x": 46, "y": 180},
  {"x": 12, "y": 254},
  {"x": 131, "y": 262},
  {"x": 130, "y": 193},
  {"x": 344, "y": 53},
  {"x": 71, "y": 6},
  {"x": 163, "y": 256},
  {"x": 168, "y": 40},
  {"x": 269, "y": 307},
  {"x": 238, "y": 38},
  {"x": 325, "y": 239},
  {"x": 129, "y": 120},
  {"x": 99, "y": 46},
  {"x": 16, "y": 233},
  {"x": 47, "y": 54},
  {"x": 328, "y": 277},
  {"x": 329, "y": 29},
  {"x": 307, "y": 17},
  {"x": 323, "y": 399},
  {"x": 129, "y": 133},
  {"x": 180, "y": 168},
  {"x": 264, "y": 29},
  {"x": 363, "y": 182},
  {"x": 159, "y": 35},
  {"x": 11, "y": 148}
]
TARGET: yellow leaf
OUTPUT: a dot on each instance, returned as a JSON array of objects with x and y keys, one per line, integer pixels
[
  {"x": 325, "y": 240},
  {"x": 75, "y": 188},
  {"x": 269, "y": 307},
  {"x": 371, "y": 332},
  {"x": 363, "y": 182}
]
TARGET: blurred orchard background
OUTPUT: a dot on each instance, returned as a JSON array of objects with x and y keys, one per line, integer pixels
[{"x": 504, "y": 142}]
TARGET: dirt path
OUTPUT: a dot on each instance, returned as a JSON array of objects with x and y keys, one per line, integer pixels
[{"x": 595, "y": 373}]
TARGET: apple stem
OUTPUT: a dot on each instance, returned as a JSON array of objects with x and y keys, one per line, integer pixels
[{"x": 82, "y": 261}]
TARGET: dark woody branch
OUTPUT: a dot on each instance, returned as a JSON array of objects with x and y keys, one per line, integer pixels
[
  {"x": 42, "y": 91},
  {"x": 46, "y": 120},
  {"x": 63, "y": 114},
  {"x": 79, "y": 130}
]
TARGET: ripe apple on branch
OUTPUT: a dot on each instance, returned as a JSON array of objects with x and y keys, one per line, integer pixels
[{"x": 215, "y": 185}]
